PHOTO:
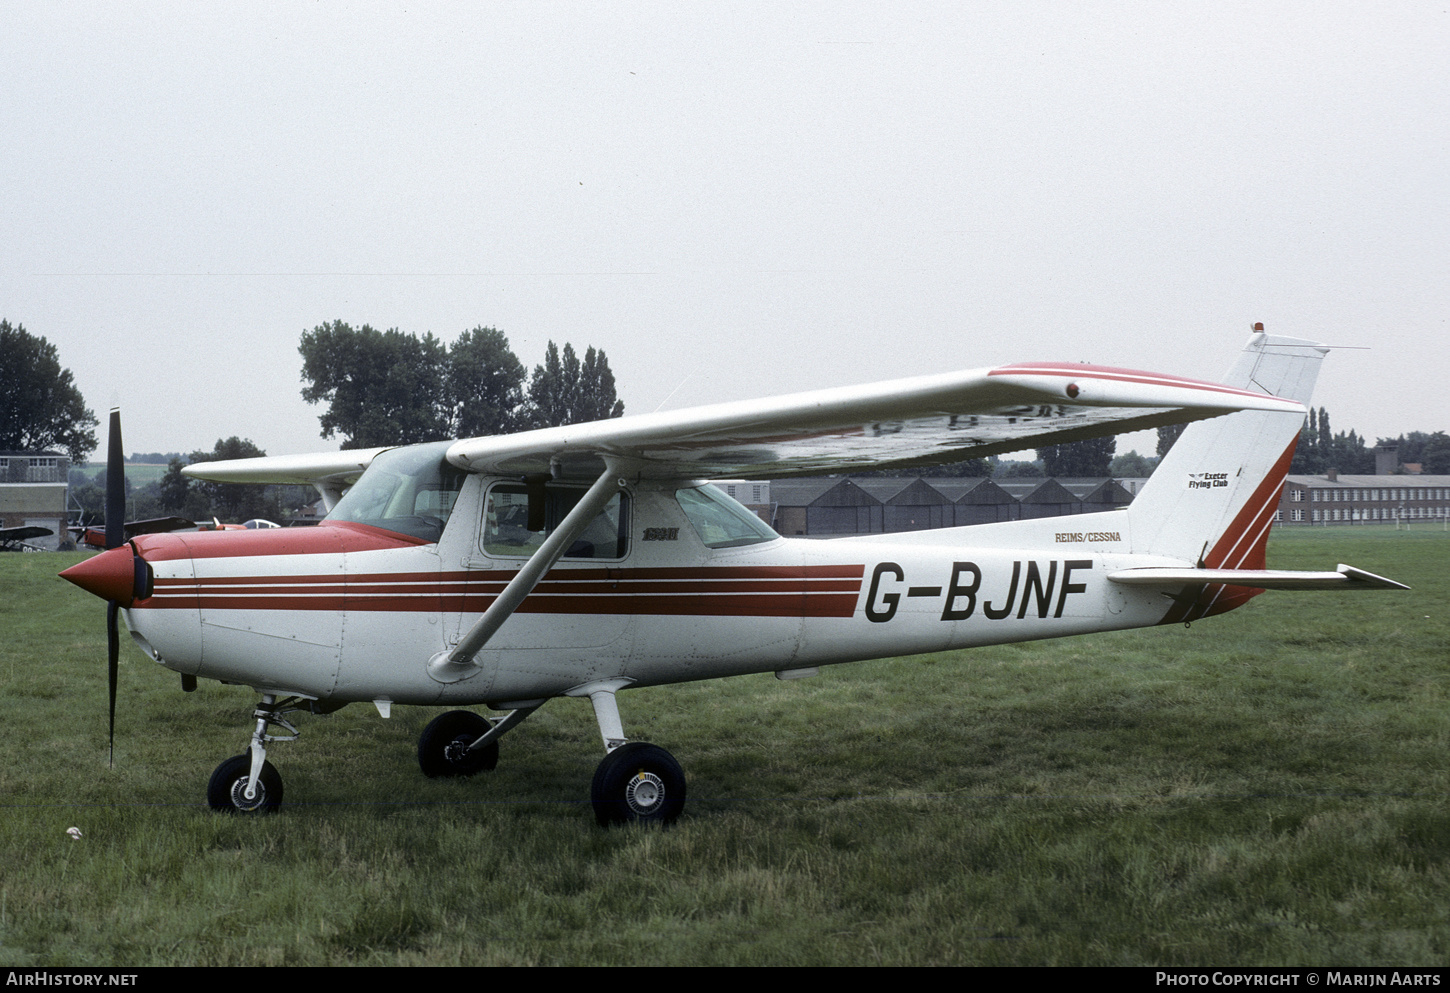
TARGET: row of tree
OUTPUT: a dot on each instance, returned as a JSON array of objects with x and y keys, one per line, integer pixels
[
  {"x": 176, "y": 495},
  {"x": 385, "y": 388},
  {"x": 1320, "y": 450},
  {"x": 393, "y": 388}
]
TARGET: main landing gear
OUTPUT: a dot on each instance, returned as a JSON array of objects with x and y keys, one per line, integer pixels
[{"x": 636, "y": 782}]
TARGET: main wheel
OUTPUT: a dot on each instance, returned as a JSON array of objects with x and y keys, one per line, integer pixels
[
  {"x": 638, "y": 782},
  {"x": 227, "y": 790},
  {"x": 443, "y": 745}
]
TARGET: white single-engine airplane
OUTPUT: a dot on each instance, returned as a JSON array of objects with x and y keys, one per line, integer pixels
[{"x": 583, "y": 560}]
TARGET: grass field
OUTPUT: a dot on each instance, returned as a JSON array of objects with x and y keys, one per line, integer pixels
[
  {"x": 1268, "y": 787},
  {"x": 138, "y": 474}
]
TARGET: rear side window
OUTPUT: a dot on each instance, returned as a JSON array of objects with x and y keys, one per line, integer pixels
[{"x": 506, "y": 516}]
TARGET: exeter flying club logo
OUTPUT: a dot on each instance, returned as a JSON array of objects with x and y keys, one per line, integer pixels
[{"x": 1207, "y": 480}]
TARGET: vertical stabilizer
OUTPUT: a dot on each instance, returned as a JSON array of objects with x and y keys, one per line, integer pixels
[{"x": 1212, "y": 499}]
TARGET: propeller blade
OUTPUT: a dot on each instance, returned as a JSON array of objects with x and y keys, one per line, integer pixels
[
  {"x": 115, "y": 486},
  {"x": 115, "y": 537},
  {"x": 113, "y": 654}
]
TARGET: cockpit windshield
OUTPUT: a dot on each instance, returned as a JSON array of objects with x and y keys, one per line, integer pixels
[
  {"x": 719, "y": 521},
  {"x": 408, "y": 490}
]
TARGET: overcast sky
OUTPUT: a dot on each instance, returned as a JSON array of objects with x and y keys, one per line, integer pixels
[{"x": 730, "y": 199}]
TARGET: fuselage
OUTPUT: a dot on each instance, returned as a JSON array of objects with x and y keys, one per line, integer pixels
[{"x": 349, "y": 611}]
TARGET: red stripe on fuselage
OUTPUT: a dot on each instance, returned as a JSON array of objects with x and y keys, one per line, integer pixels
[{"x": 766, "y": 591}]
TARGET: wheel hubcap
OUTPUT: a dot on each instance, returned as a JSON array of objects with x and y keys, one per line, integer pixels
[
  {"x": 644, "y": 793},
  {"x": 456, "y": 751},
  {"x": 239, "y": 795}
]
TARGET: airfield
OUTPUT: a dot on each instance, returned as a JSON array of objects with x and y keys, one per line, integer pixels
[{"x": 1268, "y": 787}]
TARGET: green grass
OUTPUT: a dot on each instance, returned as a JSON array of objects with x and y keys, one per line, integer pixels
[
  {"x": 138, "y": 474},
  {"x": 1267, "y": 787}
]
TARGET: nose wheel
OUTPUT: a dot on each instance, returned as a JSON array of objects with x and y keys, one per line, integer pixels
[{"x": 229, "y": 784}]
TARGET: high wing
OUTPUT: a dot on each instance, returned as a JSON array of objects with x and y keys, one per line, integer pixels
[
  {"x": 329, "y": 472},
  {"x": 24, "y": 533},
  {"x": 925, "y": 420},
  {"x": 14, "y": 539}
]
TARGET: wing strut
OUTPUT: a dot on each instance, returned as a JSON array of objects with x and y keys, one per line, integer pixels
[{"x": 450, "y": 667}]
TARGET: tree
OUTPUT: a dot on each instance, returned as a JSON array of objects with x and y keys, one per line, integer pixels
[
  {"x": 564, "y": 391},
  {"x": 1132, "y": 466},
  {"x": 1081, "y": 459},
  {"x": 40, "y": 406},
  {"x": 381, "y": 387},
  {"x": 391, "y": 388},
  {"x": 174, "y": 487},
  {"x": 971, "y": 468},
  {"x": 230, "y": 502},
  {"x": 1012, "y": 469},
  {"x": 1167, "y": 435},
  {"x": 485, "y": 384},
  {"x": 596, "y": 399},
  {"x": 1435, "y": 456}
]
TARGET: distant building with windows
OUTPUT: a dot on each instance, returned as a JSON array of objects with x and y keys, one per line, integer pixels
[
  {"x": 1335, "y": 499},
  {"x": 33, "y": 487}
]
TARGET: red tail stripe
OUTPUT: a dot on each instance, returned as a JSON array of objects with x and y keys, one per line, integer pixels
[{"x": 1261, "y": 504}]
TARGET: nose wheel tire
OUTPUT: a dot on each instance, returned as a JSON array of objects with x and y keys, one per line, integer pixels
[
  {"x": 638, "y": 782},
  {"x": 227, "y": 790},
  {"x": 443, "y": 745}
]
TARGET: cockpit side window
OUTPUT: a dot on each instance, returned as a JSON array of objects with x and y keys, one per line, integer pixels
[
  {"x": 408, "y": 490},
  {"x": 506, "y": 515}
]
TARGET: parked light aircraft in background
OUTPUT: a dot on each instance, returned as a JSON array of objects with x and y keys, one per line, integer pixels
[
  {"x": 584, "y": 560},
  {"x": 15, "y": 539}
]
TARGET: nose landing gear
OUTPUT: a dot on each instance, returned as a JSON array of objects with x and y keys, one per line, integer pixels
[{"x": 249, "y": 784}]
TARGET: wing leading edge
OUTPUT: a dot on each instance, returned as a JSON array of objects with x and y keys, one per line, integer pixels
[
  {"x": 330, "y": 472},
  {"x": 925, "y": 420}
]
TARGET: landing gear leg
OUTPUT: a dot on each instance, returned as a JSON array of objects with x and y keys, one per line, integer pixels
[
  {"x": 249, "y": 784},
  {"x": 636, "y": 781}
]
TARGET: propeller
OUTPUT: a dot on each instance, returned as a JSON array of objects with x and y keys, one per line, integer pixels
[
  {"x": 119, "y": 575},
  {"x": 115, "y": 537}
]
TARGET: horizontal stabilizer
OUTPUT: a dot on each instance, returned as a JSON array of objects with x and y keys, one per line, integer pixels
[{"x": 1346, "y": 578}]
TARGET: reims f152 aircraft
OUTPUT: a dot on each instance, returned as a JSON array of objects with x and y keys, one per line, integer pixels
[{"x": 584, "y": 560}]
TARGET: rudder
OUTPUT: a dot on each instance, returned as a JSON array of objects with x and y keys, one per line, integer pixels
[{"x": 1212, "y": 499}]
